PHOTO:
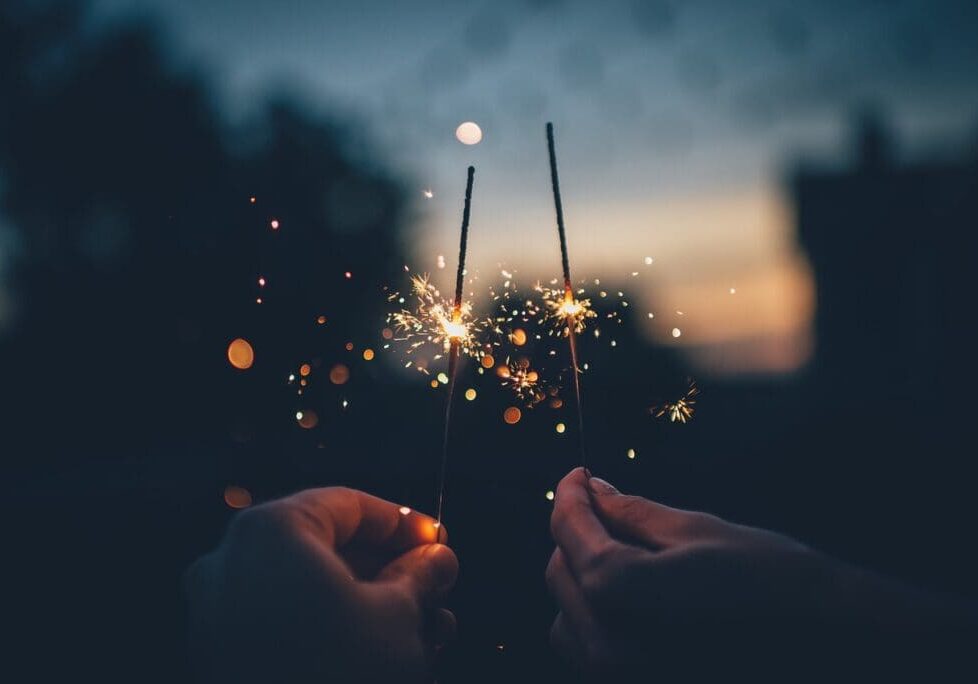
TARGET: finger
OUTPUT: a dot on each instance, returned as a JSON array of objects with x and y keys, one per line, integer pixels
[
  {"x": 445, "y": 627},
  {"x": 565, "y": 642},
  {"x": 633, "y": 519},
  {"x": 570, "y": 599},
  {"x": 343, "y": 515},
  {"x": 575, "y": 527},
  {"x": 427, "y": 571}
]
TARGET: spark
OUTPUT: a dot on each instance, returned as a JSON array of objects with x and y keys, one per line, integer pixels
[
  {"x": 563, "y": 310},
  {"x": 436, "y": 322},
  {"x": 523, "y": 381},
  {"x": 630, "y": 453},
  {"x": 549, "y": 496},
  {"x": 274, "y": 224},
  {"x": 681, "y": 410},
  {"x": 404, "y": 510},
  {"x": 428, "y": 194},
  {"x": 676, "y": 332}
]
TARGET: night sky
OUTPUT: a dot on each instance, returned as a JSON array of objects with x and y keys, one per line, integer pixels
[{"x": 676, "y": 123}]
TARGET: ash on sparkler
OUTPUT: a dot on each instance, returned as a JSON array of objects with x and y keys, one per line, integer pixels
[{"x": 570, "y": 311}]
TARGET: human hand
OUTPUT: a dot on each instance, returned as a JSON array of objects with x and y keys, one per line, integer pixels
[
  {"x": 642, "y": 585},
  {"x": 325, "y": 585}
]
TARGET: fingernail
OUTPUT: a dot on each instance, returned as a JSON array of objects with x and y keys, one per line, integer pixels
[{"x": 599, "y": 486}]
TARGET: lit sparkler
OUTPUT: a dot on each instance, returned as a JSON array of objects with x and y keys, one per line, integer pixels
[
  {"x": 571, "y": 310},
  {"x": 681, "y": 410},
  {"x": 456, "y": 335}
]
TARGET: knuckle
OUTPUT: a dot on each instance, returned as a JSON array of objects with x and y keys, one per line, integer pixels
[{"x": 598, "y": 573}]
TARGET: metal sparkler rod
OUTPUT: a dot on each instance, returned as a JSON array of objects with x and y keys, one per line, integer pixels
[
  {"x": 568, "y": 289},
  {"x": 454, "y": 352},
  {"x": 555, "y": 183}
]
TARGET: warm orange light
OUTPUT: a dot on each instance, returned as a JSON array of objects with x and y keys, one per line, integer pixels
[
  {"x": 240, "y": 354},
  {"x": 488, "y": 361},
  {"x": 518, "y": 337},
  {"x": 556, "y": 403},
  {"x": 321, "y": 320},
  {"x": 307, "y": 419},
  {"x": 348, "y": 346},
  {"x": 570, "y": 307},
  {"x": 560, "y": 427},
  {"x": 339, "y": 374},
  {"x": 368, "y": 354},
  {"x": 434, "y": 384},
  {"x": 252, "y": 199},
  {"x": 502, "y": 371},
  {"x": 387, "y": 333},
  {"x": 274, "y": 224},
  {"x": 512, "y": 415},
  {"x": 237, "y": 497},
  {"x": 305, "y": 369},
  {"x": 470, "y": 394},
  {"x": 404, "y": 510}
]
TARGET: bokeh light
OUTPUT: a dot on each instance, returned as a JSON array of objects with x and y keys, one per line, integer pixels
[
  {"x": 512, "y": 415},
  {"x": 237, "y": 497},
  {"x": 469, "y": 133},
  {"x": 240, "y": 354},
  {"x": 339, "y": 374}
]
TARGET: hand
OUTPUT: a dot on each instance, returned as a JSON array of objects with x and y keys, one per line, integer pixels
[
  {"x": 325, "y": 585},
  {"x": 639, "y": 583}
]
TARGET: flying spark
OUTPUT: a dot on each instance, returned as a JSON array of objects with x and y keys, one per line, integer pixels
[{"x": 681, "y": 410}]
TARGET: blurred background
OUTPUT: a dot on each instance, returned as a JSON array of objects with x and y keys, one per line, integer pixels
[{"x": 786, "y": 194}]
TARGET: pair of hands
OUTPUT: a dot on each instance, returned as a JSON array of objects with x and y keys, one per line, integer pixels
[{"x": 337, "y": 585}]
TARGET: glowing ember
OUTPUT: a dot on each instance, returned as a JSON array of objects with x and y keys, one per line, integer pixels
[
  {"x": 549, "y": 495},
  {"x": 560, "y": 428},
  {"x": 630, "y": 453},
  {"x": 436, "y": 322},
  {"x": 470, "y": 394},
  {"x": 274, "y": 224},
  {"x": 368, "y": 354},
  {"x": 404, "y": 510},
  {"x": 563, "y": 311}
]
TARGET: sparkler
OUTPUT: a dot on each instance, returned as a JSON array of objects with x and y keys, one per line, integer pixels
[
  {"x": 456, "y": 334},
  {"x": 569, "y": 311}
]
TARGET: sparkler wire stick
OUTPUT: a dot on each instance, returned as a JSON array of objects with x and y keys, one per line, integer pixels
[
  {"x": 454, "y": 352},
  {"x": 568, "y": 290}
]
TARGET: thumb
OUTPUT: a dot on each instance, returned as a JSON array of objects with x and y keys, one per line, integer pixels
[
  {"x": 638, "y": 520},
  {"x": 429, "y": 571}
]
